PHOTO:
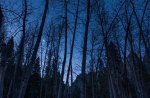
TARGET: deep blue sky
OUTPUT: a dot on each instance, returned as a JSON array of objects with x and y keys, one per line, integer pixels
[{"x": 55, "y": 10}]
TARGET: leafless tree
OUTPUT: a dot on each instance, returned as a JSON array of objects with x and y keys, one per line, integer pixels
[
  {"x": 33, "y": 57},
  {"x": 65, "y": 50},
  {"x": 72, "y": 47},
  {"x": 83, "y": 70}
]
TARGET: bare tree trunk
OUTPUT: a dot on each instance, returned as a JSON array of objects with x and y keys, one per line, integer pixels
[
  {"x": 48, "y": 64},
  {"x": 139, "y": 23},
  {"x": 72, "y": 48},
  {"x": 21, "y": 46},
  {"x": 136, "y": 68},
  {"x": 32, "y": 61},
  {"x": 28, "y": 56},
  {"x": 65, "y": 51},
  {"x": 2, "y": 74},
  {"x": 92, "y": 64},
  {"x": 55, "y": 66},
  {"x": 47, "y": 46},
  {"x": 20, "y": 53},
  {"x": 83, "y": 72},
  {"x": 3, "y": 57},
  {"x": 2, "y": 35},
  {"x": 3, "y": 66},
  {"x": 1, "y": 19}
]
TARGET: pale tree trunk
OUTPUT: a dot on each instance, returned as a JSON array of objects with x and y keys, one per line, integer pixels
[
  {"x": 65, "y": 51},
  {"x": 83, "y": 70},
  {"x": 32, "y": 61},
  {"x": 44, "y": 66}
]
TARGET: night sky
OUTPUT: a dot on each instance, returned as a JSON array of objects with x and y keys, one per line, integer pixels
[{"x": 55, "y": 11}]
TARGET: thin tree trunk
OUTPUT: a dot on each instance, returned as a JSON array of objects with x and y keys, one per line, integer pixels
[
  {"x": 1, "y": 56},
  {"x": 30, "y": 50},
  {"x": 2, "y": 74},
  {"x": 83, "y": 82},
  {"x": 139, "y": 23},
  {"x": 92, "y": 66},
  {"x": 137, "y": 73},
  {"x": 72, "y": 48},
  {"x": 47, "y": 46},
  {"x": 126, "y": 37},
  {"x": 21, "y": 46},
  {"x": 56, "y": 66},
  {"x": 65, "y": 52},
  {"x": 20, "y": 53},
  {"x": 1, "y": 25},
  {"x": 32, "y": 61},
  {"x": 140, "y": 33},
  {"x": 48, "y": 64}
]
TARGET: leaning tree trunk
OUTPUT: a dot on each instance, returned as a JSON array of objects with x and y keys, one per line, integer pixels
[
  {"x": 72, "y": 48},
  {"x": 32, "y": 60},
  {"x": 140, "y": 23}
]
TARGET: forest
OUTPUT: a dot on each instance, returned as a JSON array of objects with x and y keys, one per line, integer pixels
[{"x": 74, "y": 48}]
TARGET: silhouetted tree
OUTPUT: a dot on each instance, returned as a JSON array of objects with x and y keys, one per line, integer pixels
[
  {"x": 10, "y": 68},
  {"x": 83, "y": 82},
  {"x": 33, "y": 88},
  {"x": 33, "y": 57},
  {"x": 70, "y": 69},
  {"x": 60, "y": 93}
]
